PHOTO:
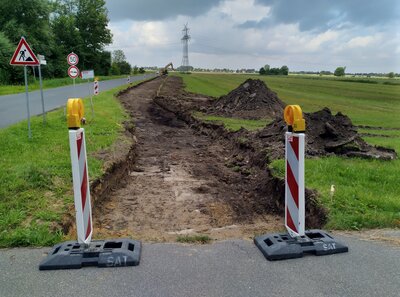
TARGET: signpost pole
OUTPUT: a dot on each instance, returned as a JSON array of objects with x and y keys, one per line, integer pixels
[
  {"x": 41, "y": 94},
  {"x": 74, "y": 87},
  {"x": 91, "y": 98},
  {"x": 27, "y": 102}
]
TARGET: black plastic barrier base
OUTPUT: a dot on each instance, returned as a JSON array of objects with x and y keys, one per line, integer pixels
[
  {"x": 100, "y": 253},
  {"x": 283, "y": 246}
]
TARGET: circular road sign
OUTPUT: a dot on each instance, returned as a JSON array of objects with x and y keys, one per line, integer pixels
[
  {"x": 73, "y": 72},
  {"x": 72, "y": 59}
]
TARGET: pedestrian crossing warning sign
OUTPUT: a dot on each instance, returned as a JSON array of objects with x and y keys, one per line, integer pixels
[{"x": 23, "y": 55}]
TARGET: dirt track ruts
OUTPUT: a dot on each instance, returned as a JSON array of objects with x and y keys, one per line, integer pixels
[{"x": 179, "y": 182}]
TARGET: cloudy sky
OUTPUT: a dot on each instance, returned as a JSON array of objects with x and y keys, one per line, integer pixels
[{"x": 363, "y": 35}]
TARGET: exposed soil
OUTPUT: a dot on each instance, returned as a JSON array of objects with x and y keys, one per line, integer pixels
[
  {"x": 252, "y": 99},
  {"x": 177, "y": 175},
  {"x": 327, "y": 134},
  {"x": 180, "y": 181}
]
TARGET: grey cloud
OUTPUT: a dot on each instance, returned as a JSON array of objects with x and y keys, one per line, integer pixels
[
  {"x": 320, "y": 14},
  {"x": 141, "y": 10}
]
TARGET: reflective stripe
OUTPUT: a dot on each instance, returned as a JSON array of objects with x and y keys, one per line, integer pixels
[{"x": 294, "y": 183}]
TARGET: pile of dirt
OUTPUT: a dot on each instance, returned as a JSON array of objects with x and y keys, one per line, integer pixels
[
  {"x": 252, "y": 99},
  {"x": 325, "y": 134}
]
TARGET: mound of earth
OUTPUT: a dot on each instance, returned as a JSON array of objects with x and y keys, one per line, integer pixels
[
  {"x": 325, "y": 134},
  {"x": 252, "y": 99}
]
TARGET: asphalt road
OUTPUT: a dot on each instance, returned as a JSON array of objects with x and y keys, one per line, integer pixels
[
  {"x": 228, "y": 268},
  {"x": 13, "y": 107}
]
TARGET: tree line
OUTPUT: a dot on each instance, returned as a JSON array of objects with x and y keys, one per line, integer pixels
[
  {"x": 54, "y": 28},
  {"x": 267, "y": 70}
]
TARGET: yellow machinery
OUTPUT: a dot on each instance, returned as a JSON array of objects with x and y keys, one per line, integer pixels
[{"x": 165, "y": 69}]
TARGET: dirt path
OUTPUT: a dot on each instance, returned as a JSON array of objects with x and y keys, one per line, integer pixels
[{"x": 179, "y": 184}]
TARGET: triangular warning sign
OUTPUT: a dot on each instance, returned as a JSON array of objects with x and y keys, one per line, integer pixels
[{"x": 23, "y": 55}]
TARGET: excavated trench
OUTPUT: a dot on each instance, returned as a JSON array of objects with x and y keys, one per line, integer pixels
[{"x": 180, "y": 176}]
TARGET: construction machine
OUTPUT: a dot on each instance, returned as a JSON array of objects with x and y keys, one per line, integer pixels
[{"x": 165, "y": 69}]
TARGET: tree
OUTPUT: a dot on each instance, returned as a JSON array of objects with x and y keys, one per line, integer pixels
[
  {"x": 81, "y": 26},
  {"x": 141, "y": 70},
  {"x": 6, "y": 51},
  {"x": 262, "y": 71},
  {"x": 284, "y": 70},
  {"x": 118, "y": 56},
  {"x": 340, "y": 71},
  {"x": 390, "y": 74},
  {"x": 29, "y": 19},
  {"x": 119, "y": 63}
]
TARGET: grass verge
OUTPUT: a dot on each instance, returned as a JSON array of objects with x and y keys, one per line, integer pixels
[
  {"x": 49, "y": 84},
  {"x": 367, "y": 191},
  {"x": 198, "y": 238},
  {"x": 233, "y": 124},
  {"x": 35, "y": 175}
]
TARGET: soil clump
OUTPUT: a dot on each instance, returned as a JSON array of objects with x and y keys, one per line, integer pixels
[
  {"x": 326, "y": 134},
  {"x": 252, "y": 99}
]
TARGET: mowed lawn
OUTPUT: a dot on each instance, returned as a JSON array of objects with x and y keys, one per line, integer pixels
[{"x": 367, "y": 191}]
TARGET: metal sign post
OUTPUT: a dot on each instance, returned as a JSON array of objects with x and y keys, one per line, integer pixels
[
  {"x": 24, "y": 56},
  {"x": 73, "y": 71},
  {"x": 42, "y": 62},
  {"x": 27, "y": 102},
  {"x": 88, "y": 74},
  {"x": 298, "y": 240}
]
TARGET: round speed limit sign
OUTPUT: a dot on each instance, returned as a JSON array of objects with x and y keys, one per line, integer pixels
[{"x": 72, "y": 59}]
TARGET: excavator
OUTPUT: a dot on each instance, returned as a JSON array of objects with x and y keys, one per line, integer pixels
[{"x": 165, "y": 69}]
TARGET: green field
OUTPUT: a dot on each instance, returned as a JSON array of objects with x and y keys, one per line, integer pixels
[
  {"x": 35, "y": 175},
  {"x": 47, "y": 84},
  {"x": 367, "y": 191},
  {"x": 374, "y": 104}
]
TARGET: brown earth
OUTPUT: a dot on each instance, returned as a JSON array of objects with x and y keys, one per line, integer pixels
[
  {"x": 252, "y": 99},
  {"x": 326, "y": 134},
  {"x": 178, "y": 180},
  {"x": 172, "y": 174}
]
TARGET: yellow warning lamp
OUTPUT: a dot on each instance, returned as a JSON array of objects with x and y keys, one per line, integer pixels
[
  {"x": 294, "y": 118},
  {"x": 75, "y": 112}
]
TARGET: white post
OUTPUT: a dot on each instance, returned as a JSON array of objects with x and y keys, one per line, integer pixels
[
  {"x": 294, "y": 184},
  {"x": 41, "y": 94},
  {"x": 80, "y": 177}
]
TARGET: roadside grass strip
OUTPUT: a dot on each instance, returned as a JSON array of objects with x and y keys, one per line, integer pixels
[
  {"x": 35, "y": 175},
  {"x": 366, "y": 192},
  {"x": 49, "y": 84},
  {"x": 197, "y": 238}
]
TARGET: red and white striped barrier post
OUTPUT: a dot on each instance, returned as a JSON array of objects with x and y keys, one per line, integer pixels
[
  {"x": 96, "y": 87},
  {"x": 297, "y": 241},
  {"x": 85, "y": 252},
  {"x": 80, "y": 174},
  {"x": 294, "y": 176}
]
